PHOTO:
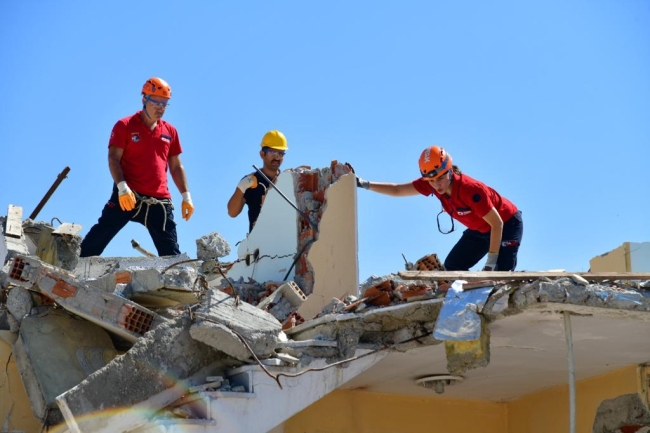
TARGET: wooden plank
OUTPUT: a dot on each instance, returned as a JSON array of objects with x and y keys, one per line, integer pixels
[
  {"x": 518, "y": 276},
  {"x": 14, "y": 221}
]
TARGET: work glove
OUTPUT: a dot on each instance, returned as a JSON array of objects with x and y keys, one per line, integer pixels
[
  {"x": 187, "y": 208},
  {"x": 249, "y": 181},
  {"x": 126, "y": 198},
  {"x": 491, "y": 263},
  {"x": 360, "y": 182}
]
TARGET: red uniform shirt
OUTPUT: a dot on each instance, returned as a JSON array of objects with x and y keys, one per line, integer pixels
[
  {"x": 470, "y": 201},
  {"x": 146, "y": 154}
]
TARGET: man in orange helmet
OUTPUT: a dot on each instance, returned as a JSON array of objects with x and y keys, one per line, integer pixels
[
  {"x": 494, "y": 224},
  {"x": 141, "y": 149},
  {"x": 252, "y": 188}
]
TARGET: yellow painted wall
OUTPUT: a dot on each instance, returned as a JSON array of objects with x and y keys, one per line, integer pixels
[
  {"x": 367, "y": 412},
  {"x": 542, "y": 412},
  {"x": 548, "y": 410},
  {"x": 617, "y": 260},
  {"x": 13, "y": 396}
]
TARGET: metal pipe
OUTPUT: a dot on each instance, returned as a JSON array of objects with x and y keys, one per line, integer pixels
[
  {"x": 572, "y": 373},
  {"x": 314, "y": 226},
  {"x": 49, "y": 192}
]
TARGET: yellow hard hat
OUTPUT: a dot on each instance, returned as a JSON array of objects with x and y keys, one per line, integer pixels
[{"x": 275, "y": 140}]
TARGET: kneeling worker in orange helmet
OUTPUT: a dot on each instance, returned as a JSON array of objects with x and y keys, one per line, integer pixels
[
  {"x": 252, "y": 188},
  {"x": 494, "y": 225}
]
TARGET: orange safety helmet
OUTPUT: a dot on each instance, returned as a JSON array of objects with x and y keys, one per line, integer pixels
[
  {"x": 157, "y": 87},
  {"x": 434, "y": 162}
]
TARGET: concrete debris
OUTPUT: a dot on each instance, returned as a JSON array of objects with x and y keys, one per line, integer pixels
[
  {"x": 211, "y": 246},
  {"x": 142, "y": 340},
  {"x": 223, "y": 322},
  {"x": 73, "y": 353},
  {"x": 627, "y": 410},
  {"x": 123, "y": 317},
  {"x": 141, "y": 377}
]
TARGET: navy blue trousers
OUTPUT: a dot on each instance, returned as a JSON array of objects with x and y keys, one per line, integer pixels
[
  {"x": 113, "y": 219},
  {"x": 474, "y": 245}
]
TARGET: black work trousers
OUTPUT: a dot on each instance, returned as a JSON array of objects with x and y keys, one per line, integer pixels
[
  {"x": 113, "y": 219},
  {"x": 474, "y": 245}
]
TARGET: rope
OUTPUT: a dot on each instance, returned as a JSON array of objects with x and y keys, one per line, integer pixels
[{"x": 152, "y": 201}]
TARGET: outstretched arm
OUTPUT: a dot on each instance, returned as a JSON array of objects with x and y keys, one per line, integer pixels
[{"x": 392, "y": 189}]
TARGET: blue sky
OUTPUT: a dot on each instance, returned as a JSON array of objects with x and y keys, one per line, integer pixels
[{"x": 546, "y": 101}]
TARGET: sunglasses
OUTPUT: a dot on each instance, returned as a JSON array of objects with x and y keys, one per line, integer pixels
[
  {"x": 164, "y": 104},
  {"x": 273, "y": 152}
]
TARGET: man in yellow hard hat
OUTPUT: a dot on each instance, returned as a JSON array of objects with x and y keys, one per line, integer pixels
[{"x": 252, "y": 188}]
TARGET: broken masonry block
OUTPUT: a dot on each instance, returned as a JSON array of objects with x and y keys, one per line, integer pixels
[
  {"x": 292, "y": 293},
  {"x": 429, "y": 263},
  {"x": 112, "y": 312}
]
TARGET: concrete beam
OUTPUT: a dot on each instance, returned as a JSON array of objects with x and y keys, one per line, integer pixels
[{"x": 114, "y": 313}]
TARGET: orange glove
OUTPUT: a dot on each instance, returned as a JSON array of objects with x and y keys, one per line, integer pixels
[
  {"x": 187, "y": 208},
  {"x": 127, "y": 198}
]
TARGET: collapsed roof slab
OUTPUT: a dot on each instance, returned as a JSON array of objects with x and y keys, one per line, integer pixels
[
  {"x": 55, "y": 352},
  {"x": 528, "y": 342},
  {"x": 158, "y": 370}
]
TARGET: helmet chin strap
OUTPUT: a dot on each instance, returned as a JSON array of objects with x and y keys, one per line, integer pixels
[{"x": 144, "y": 107}]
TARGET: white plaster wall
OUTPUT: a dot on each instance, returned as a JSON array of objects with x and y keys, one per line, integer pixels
[
  {"x": 640, "y": 256},
  {"x": 275, "y": 234}
]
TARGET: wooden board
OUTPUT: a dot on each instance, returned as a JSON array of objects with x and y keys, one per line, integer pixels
[
  {"x": 14, "y": 221},
  {"x": 518, "y": 276}
]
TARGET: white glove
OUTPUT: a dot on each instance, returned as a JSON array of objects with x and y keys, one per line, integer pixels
[
  {"x": 491, "y": 263},
  {"x": 249, "y": 181},
  {"x": 361, "y": 183}
]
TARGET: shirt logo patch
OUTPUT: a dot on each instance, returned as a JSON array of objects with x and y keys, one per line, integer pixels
[
  {"x": 463, "y": 211},
  {"x": 135, "y": 137},
  {"x": 166, "y": 138},
  {"x": 476, "y": 198}
]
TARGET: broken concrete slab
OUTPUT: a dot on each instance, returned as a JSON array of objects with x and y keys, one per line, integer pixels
[
  {"x": 119, "y": 315},
  {"x": 223, "y": 318},
  {"x": 96, "y": 266},
  {"x": 156, "y": 371},
  {"x": 49, "y": 342},
  {"x": 172, "y": 287}
]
